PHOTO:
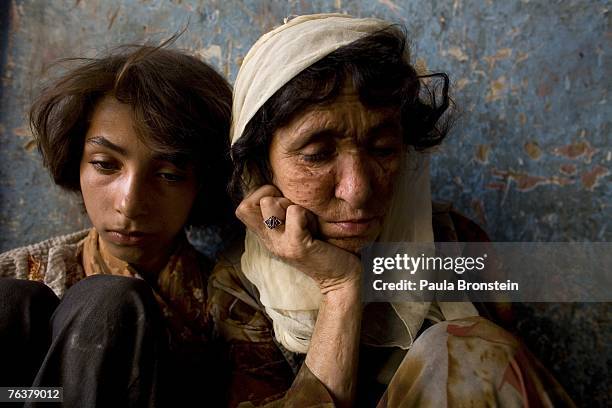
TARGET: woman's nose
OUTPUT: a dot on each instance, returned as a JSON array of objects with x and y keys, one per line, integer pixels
[
  {"x": 132, "y": 199},
  {"x": 354, "y": 180}
]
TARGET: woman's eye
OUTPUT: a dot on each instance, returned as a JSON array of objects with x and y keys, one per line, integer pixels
[
  {"x": 172, "y": 177},
  {"x": 384, "y": 151},
  {"x": 385, "y": 148},
  {"x": 317, "y": 156},
  {"x": 103, "y": 166},
  {"x": 313, "y": 158}
]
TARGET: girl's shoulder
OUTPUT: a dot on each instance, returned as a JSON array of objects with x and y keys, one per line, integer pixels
[{"x": 47, "y": 261}]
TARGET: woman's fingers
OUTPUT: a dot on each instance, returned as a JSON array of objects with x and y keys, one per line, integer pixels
[
  {"x": 327, "y": 264},
  {"x": 249, "y": 210},
  {"x": 264, "y": 212},
  {"x": 267, "y": 213},
  {"x": 297, "y": 225},
  {"x": 289, "y": 234},
  {"x": 273, "y": 212}
]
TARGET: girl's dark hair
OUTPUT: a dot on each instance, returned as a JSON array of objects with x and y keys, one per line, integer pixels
[
  {"x": 181, "y": 106},
  {"x": 379, "y": 69}
]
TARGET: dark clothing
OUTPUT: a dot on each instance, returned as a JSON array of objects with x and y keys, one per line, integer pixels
[
  {"x": 26, "y": 308},
  {"x": 105, "y": 342}
]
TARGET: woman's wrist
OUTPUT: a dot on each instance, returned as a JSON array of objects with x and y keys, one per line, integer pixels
[
  {"x": 343, "y": 293},
  {"x": 333, "y": 355},
  {"x": 345, "y": 283},
  {"x": 345, "y": 280}
]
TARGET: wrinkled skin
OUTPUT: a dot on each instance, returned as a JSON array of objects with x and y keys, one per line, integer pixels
[
  {"x": 340, "y": 161},
  {"x": 334, "y": 168}
]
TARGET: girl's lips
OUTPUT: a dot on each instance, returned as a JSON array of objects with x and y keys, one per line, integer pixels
[{"x": 127, "y": 238}]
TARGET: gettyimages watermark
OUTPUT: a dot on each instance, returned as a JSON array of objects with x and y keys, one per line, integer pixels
[{"x": 488, "y": 272}]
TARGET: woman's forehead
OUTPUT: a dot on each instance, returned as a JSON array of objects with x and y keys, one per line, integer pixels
[
  {"x": 338, "y": 121},
  {"x": 345, "y": 113}
]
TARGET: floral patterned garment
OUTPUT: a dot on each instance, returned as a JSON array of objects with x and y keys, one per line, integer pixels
[
  {"x": 180, "y": 288},
  {"x": 469, "y": 362}
]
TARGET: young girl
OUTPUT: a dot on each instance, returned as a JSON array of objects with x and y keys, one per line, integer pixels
[{"x": 116, "y": 314}]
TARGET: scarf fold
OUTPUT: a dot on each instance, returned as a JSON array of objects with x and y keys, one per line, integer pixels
[
  {"x": 290, "y": 297},
  {"x": 179, "y": 288}
]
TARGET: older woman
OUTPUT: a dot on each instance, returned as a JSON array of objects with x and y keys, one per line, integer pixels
[
  {"x": 327, "y": 125},
  {"x": 141, "y": 135}
]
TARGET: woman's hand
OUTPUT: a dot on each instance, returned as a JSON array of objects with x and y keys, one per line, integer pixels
[
  {"x": 333, "y": 353},
  {"x": 293, "y": 241}
]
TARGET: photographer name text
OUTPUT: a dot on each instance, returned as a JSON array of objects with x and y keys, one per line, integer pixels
[{"x": 445, "y": 285}]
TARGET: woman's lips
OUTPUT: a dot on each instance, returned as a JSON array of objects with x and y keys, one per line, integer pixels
[
  {"x": 129, "y": 238},
  {"x": 352, "y": 228}
]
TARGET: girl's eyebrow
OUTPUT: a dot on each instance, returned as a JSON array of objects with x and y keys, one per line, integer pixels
[
  {"x": 178, "y": 159},
  {"x": 104, "y": 142}
]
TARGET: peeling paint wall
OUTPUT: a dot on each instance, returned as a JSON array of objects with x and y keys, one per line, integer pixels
[{"x": 529, "y": 157}]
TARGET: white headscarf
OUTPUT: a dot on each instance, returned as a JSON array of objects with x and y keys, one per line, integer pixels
[{"x": 290, "y": 297}]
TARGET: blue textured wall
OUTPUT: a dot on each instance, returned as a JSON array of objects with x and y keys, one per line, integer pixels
[{"x": 529, "y": 157}]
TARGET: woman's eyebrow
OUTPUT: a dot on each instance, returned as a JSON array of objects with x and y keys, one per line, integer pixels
[
  {"x": 104, "y": 142},
  {"x": 312, "y": 135},
  {"x": 389, "y": 123},
  {"x": 178, "y": 159}
]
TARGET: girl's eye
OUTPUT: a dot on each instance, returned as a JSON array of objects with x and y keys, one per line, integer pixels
[{"x": 103, "y": 166}]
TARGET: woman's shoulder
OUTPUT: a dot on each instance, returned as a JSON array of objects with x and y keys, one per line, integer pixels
[
  {"x": 451, "y": 225},
  {"x": 46, "y": 261},
  {"x": 261, "y": 368}
]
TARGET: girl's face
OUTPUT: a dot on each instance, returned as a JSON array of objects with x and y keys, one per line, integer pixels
[{"x": 138, "y": 200}]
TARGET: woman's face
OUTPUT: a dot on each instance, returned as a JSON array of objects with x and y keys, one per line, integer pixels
[
  {"x": 137, "y": 200},
  {"x": 340, "y": 161}
]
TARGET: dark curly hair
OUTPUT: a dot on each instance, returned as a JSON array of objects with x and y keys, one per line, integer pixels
[
  {"x": 379, "y": 69},
  {"x": 182, "y": 108}
]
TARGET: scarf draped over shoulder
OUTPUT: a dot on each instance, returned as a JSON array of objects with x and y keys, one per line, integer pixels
[{"x": 290, "y": 297}]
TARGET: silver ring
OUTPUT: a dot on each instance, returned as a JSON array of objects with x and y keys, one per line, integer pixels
[{"x": 273, "y": 222}]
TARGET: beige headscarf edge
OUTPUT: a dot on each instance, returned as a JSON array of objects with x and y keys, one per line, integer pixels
[
  {"x": 290, "y": 297},
  {"x": 281, "y": 54}
]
